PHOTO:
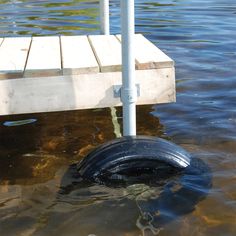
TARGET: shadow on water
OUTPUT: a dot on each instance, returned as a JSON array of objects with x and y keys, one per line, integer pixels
[
  {"x": 149, "y": 207},
  {"x": 33, "y": 159},
  {"x": 32, "y": 153}
]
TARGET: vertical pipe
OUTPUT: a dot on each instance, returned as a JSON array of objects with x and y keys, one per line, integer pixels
[
  {"x": 104, "y": 17},
  {"x": 129, "y": 91}
]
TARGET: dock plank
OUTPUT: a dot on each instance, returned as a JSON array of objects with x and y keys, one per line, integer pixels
[
  {"x": 77, "y": 55},
  {"x": 61, "y": 93},
  {"x": 44, "y": 58},
  {"x": 149, "y": 56},
  {"x": 108, "y": 52},
  {"x": 13, "y": 55}
]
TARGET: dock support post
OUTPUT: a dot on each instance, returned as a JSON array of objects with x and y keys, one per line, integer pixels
[
  {"x": 128, "y": 91},
  {"x": 104, "y": 17}
]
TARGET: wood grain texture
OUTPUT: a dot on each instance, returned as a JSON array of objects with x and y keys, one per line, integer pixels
[
  {"x": 149, "y": 56},
  {"x": 44, "y": 58},
  {"x": 60, "y": 93},
  {"x": 13, "y": 55},
  {"x": 47, "y": 90},
  {"x": 108, "y": 52},
  {"x": 1, "y": 40},
  {"x": 77, "y": 56}
]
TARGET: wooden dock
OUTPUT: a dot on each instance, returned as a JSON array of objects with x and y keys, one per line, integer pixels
[{"x": 57, "y": 73}]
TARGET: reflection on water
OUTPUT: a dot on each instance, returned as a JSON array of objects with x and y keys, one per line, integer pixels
[
  {"x": 39, "y": 195},
  {"x": 43, "y": 17},
  {"x": 19, "y": 122}
]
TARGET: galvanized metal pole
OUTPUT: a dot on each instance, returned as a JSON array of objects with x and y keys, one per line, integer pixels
[
  {"x": 104, "y": 17},
  {"x": 128, "y": 91}
]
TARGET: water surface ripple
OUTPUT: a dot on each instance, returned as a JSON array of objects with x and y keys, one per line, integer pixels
[{"x": 41, "y": 195}]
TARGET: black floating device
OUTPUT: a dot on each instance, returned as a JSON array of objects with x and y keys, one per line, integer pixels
[{"x": 133, "y": 159}]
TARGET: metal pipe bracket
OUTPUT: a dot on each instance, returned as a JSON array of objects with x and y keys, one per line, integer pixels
[{"x": 118, "y": 88}]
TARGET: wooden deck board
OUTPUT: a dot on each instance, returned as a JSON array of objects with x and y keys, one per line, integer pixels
[
  {"x": 13, "y": 55},
  {"x": 1, "y": 40},
  {"x": 77, "y": 56},
  {"x": 60, "y": 93},
  {"x": 108, "y": 52},
  {"x": 77, "y": 72},
  {"x": 148, "y": 56},
  {"x": 44, "y": 57}
]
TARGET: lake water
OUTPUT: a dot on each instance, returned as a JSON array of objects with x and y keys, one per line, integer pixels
[{"x": 39, "y": 191}]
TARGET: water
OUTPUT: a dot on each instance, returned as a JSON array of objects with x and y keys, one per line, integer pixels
[{"x": 41, "y": 195}]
